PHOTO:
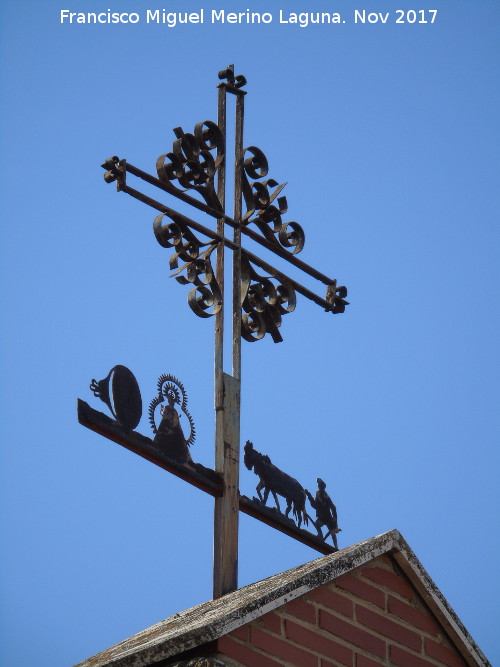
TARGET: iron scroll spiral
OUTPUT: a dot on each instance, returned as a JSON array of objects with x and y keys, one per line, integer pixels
[
  {"x": 205, "y": 299},
  {"x": 263, "y": 303},
  {"x": 191, "y": 163},
  {"x": 261, "y": 211}
]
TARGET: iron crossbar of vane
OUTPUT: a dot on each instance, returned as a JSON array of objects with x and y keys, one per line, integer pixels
[
  {"x": 152, "y": 180},
  {"x": 229, "y": 244}
]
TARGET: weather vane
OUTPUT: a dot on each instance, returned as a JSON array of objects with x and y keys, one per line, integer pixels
[{"x": 194, "y": 171}]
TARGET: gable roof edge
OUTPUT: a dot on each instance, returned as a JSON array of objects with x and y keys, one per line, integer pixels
[
  {"x": 438, "y": 604},
  {"x": 211, "y": 620}
]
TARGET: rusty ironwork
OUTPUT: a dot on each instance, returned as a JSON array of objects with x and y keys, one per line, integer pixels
[
  {"x": 194, "y": 171},
  {"x": 196, "y": 474},
  {"x": 233, "y": 82},
  {"x": 335, "y": 298},
  {"x": 123, "y": 397},
  {"x": 191, "y": 162},
  {"x": 264, "y": 302},
  {"x": 191, "y": 167},
  {"x": 206, "y": 293},
  {"x": 259, "y": 197}
]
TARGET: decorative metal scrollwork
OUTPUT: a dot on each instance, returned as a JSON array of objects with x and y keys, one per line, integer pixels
[
  {"x": 232, "y": 81},
  {"x": 115, "y": 169},
  {"x": 259, "y": 197},
  {"x": 335, "y": 296},
  {"x": 205, "y": 299},
  {"x": 264, "y": 303},
  {"x": 191, "y": 162}
]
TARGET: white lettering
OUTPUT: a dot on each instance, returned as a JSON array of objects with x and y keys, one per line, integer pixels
[
  {"x": 241, "y": 17},
  {"x": 171, "y": 19},
  {"x": 218, "y": 16},
  {"x": 101, "y": 17},
  {"x": 303, "y": 19},
  {"x": 372, "y": 17}
]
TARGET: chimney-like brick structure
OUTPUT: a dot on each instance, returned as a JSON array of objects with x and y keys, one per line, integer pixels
[{"x": 372, "y": 616}]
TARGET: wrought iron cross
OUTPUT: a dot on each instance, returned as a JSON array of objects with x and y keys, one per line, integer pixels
[{"x": 195, "y": 172}]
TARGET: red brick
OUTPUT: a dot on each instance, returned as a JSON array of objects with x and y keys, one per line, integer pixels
[
  {"x": 362, "y": 590},
  {"x": 332, "y": 600},
  {"x": 405, "y": 659},
  {"x": 241, "y": 633},
  {"x": 363, "y": 661},
  {"x": 352, "y": 634},
  {"x": 303, "y": 610},
  {"x": 244, "y": 654},
  {"x": 391, "y": 580},
  {"x": 272, "y": 622},
  {"x": 317, "y": 642},
  {"x": 282, "y": 649},
  {"x": 414, "y": 616},
  {"x": 446, "y": 655},
  {"x": 389, "y": 628}
]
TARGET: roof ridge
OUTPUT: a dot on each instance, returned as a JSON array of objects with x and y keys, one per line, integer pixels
[{"x": 210, "y": 620}]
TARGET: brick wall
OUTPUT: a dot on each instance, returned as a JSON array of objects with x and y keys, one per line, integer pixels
[{"x": 372, "y": 616}]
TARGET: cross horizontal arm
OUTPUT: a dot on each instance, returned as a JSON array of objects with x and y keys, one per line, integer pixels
[
  {"x": 230, "y": 244},
  {"x": 297, "y": 286},
  {"x": 118, "y": 174},
  {"x": 272, "y": 518},
  {"x": 203, "y": 478},
  {"x": 196, "y": 474},
  {"x": 152, "y": 180}
]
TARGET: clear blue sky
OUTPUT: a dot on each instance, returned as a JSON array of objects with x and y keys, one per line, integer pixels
[{"x": 388, "y": 137}]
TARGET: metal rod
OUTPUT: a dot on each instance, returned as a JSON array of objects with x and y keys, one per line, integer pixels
[
  {"x": 181, "y": 194},
  {"x": 227, "y": 507},
  {"x": 166, "y": 209},
  {"x": 284, "y": 525},
  {"x": 238, "y": 173},
  {"x": 208, "y": 480},
  {"x": 278, "y": 250},
  {"x": 173, "y": 191},
  {"x": 229, "y": 244},
  {"x": 220, "y": 506},
  {"x": 283, "y": 277},
  {"x": 292, "y": 259},
  {"x": 221, "y": 193}
]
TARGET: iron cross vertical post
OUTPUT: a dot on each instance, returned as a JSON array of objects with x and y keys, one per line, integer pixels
[
  {"x": 197, "y": 165},
  {"x": 228, "y": 387}
]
